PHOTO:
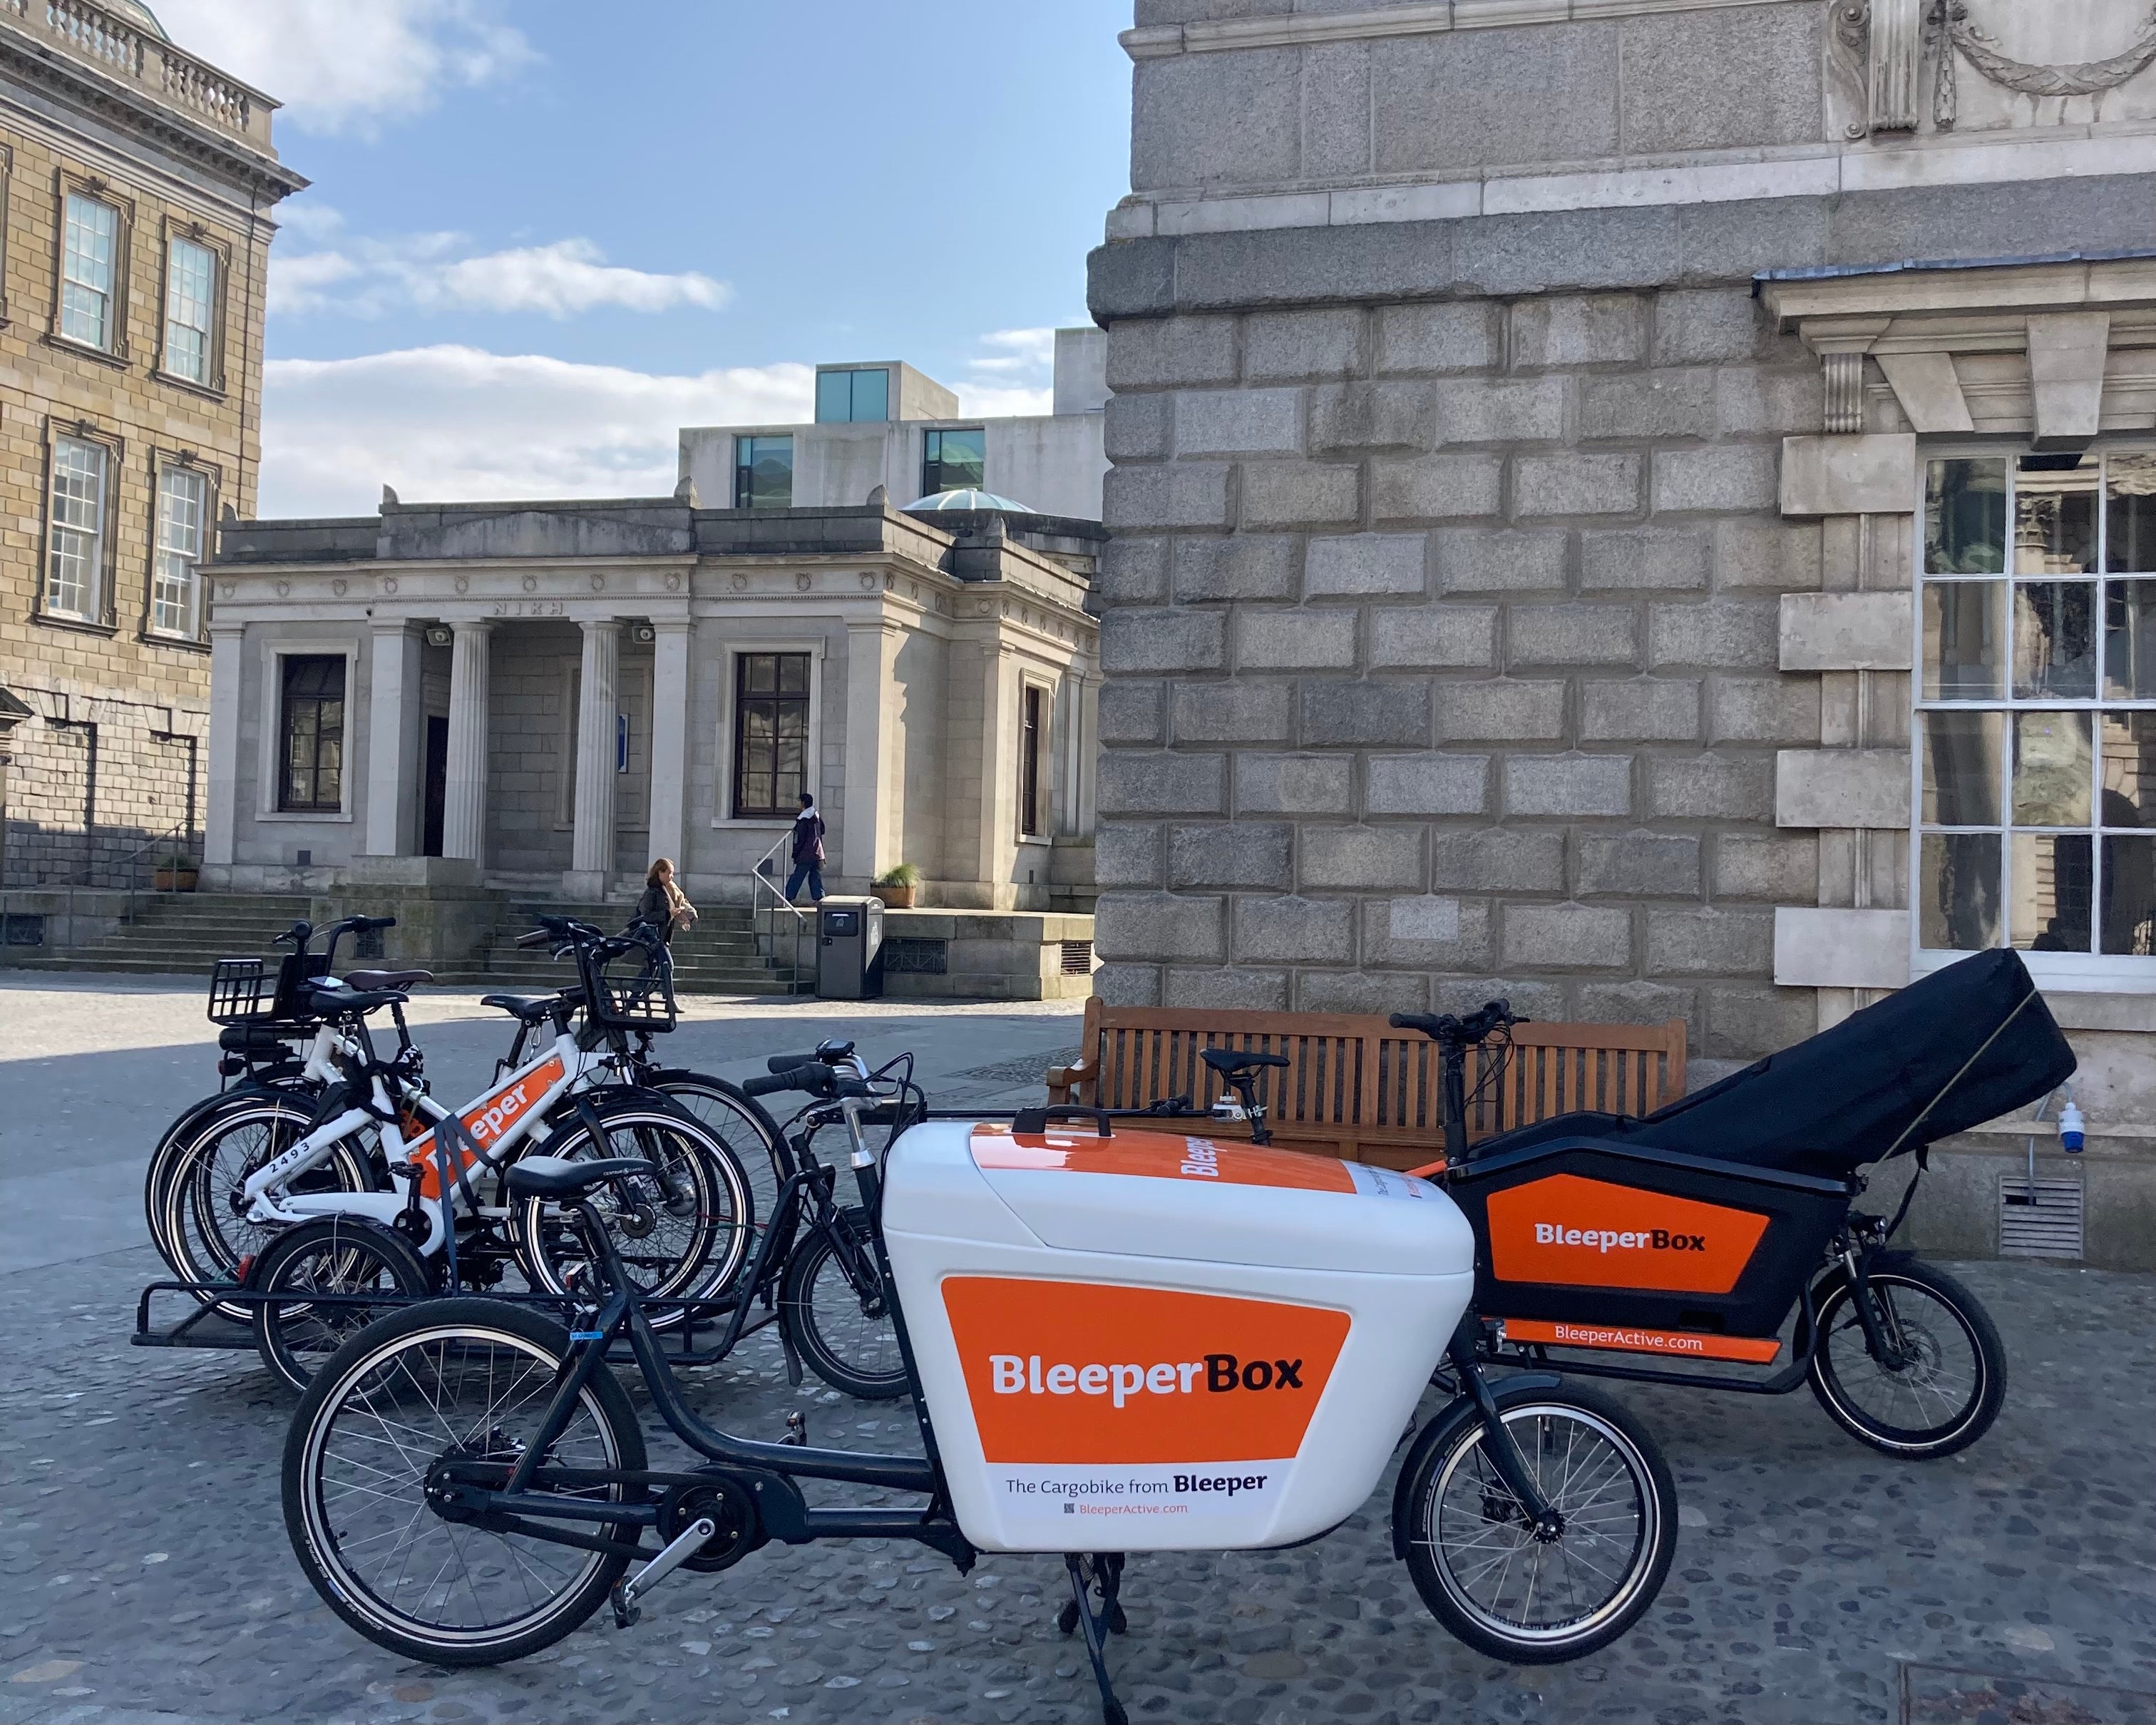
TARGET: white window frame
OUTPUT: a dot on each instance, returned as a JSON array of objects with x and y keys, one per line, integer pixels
[
  {"x": 111, "y": 292},
  {"x": 270, "y": 724},
  {"x": 730, "y": 648},
  {"x": 206, "y": 330},
  {"x": 2062, "y": 971},
  {"x": 92, "y": 611},
  {"x": 165, "y": 469}
]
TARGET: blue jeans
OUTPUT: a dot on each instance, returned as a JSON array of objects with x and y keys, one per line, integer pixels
[{"x": 812, "y": 871}]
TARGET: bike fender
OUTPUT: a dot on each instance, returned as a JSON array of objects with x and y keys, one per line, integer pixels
[{"x": 1503, "y": 1389}]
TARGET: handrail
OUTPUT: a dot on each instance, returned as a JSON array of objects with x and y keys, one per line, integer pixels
[
  {"x": 766, "y": 899},
  {"x": 72, "y": 884}
]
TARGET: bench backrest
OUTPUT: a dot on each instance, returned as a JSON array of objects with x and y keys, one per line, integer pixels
[{"x": 1355, "y": 1088}]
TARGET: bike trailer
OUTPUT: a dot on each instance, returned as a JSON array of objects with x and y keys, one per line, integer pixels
[{"x": 1139, "y": 1341}]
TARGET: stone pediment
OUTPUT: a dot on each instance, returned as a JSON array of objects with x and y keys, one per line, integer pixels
[
  {"x": 1963, "y": 66},
  {"x": 549, "y": 531}
]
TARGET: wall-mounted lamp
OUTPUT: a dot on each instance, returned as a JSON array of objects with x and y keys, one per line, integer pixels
[
  {"x": 440, "y": 635},
  {"x": 643, "y": 635}
]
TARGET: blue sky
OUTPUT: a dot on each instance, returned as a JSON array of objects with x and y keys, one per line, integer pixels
[{"x": 541, "y": 234}]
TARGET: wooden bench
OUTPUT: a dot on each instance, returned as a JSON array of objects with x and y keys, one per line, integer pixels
[{"x": 1355, "y": 1088}]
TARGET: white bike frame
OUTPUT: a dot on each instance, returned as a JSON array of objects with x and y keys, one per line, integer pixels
[{"x": 497, "y": 1122}]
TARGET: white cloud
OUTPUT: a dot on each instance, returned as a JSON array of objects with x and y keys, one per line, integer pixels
[
  {"x": 449, "y": 423},
  {"x": 1015, "y": 376},
  {"x": 341, "y": 67},
  {"x": 372, "y": 277}
]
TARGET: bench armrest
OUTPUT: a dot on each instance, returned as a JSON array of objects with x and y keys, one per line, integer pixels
[{"x": 1063, "y": 1081}]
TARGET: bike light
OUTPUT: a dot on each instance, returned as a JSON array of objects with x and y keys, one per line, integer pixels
[
  {"x": 231, "y": 1066},
  {"x": 2071, "y": 1137}
]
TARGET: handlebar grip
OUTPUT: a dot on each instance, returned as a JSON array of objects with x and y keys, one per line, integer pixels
[
  {"x": 1398, "y": 1021},
  {"x": 765, "y": 1086},
  {"x": 816, "y": 1080},
  {"x": 534, "y": 937},
  {"x": 787, "y": 1063},
  {"x": 367, "y": 924}
]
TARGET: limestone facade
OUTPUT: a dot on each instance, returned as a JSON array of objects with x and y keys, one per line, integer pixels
[
  {"x": 170, "y": 162},
  {"x": 547, "y": 696},
  {"x": 1527, "y": 431}
]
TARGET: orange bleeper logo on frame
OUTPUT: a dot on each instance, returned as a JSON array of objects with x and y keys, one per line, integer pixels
[{"x": 1097, "y": 1373}]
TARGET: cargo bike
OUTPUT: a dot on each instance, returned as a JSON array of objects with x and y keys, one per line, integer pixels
[
  {"x": 1693, "y": 1234},
  {"x": 1118, "y": 1339}
]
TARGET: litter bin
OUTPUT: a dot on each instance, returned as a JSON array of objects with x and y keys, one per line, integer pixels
[{"x": 850, "y": 948}]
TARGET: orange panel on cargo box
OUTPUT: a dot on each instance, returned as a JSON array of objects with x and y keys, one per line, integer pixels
[
  {"x": 1594, "y": 1233},
  {"x": 1160, "y": 1155},
  {"x": 1096, "y": 1372}
]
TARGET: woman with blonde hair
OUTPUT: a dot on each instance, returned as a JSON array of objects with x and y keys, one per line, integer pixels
[{"x": 664, "y": 907}]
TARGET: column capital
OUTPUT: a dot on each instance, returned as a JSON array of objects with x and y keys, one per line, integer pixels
[
  {"x": 473, "y": 625},
  {"x": 601, "y": 625}
]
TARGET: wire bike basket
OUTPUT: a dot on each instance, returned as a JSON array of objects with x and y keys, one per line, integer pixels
[{"x": 628, "y": 984}]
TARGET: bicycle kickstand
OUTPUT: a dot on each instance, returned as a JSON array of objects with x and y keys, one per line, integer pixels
[{"x": 1103, "y": 1570}]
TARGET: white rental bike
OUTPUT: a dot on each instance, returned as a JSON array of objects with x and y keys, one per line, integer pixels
[{"x": 681, "y": 1220}]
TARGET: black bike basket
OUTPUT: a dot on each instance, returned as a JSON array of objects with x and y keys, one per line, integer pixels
[
  {"x": 240, "y": 991},
  {"x": 632, "y": 990}
]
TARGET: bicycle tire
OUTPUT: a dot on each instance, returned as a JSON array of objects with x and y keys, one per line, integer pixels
[
  {"x": 294, "y": 1338},
  {"x": 206, "y": 1236},
  {"x": 818, "y": 1298},
  {"x": 157, "y": 1173},
  {"x": 1965, "y": 1420},
  {"x": 324, "y": 1552},
  {"x": 1455, "y": 1579},
  {"x": 740, "y": 1123},
  {"x": 547, "y": 1244}
]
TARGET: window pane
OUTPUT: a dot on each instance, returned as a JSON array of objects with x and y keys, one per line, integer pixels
[
  {"x": 2054, "y": 514},
  {"x": 2050, "y": 769},
  {"x": 758, "y": 672},
  {"x": 834, "y": 397},
  {"x": 182, "y": 497},
  {"x": 190, "y": 276},
  {"x": 2129, "y": 896},
  {"x": 2052, "y": 892},
  {"x": 1962, "y": 769},
  {"x": 1957, "y": 892},
  {"x": 2129, "y": 639},
  {"x": 763, "y": 473},
  {"x": 2055, "y": 639},
  {"x": 794, "y": 673},
  {"x": 2130, "y": 487},
  {"x": 2129, "y": 770},
  {"x": 1964, "y": 639},
  {"x": 75, "y": 554},
  {"x": 964, "y": 460},
  {"x": 1965, "y": 516},
  {"x": 871, "y": 394}
]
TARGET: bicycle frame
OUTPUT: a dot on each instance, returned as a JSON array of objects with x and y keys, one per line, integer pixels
[{"x": 497, "y": 1122}]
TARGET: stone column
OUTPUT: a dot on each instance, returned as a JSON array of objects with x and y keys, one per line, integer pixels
[
  {"x": 463, "y": 804},
  {"x": 670, "y": 742},
  {"x": 220, "y": 836},
  {"x": 598, "y": 702},
  {"x": 871, "y": 794},
  {"x": 393, "y": 762}
]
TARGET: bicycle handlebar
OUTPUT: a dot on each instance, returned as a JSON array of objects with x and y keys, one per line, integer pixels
[{"x": 1474, "y": 1027}]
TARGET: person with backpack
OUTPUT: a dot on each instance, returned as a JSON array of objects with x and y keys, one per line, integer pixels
[{"x": 808, "y": 852}]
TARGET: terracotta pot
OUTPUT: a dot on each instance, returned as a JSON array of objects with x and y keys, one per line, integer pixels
[
  {"x": 897, "y": 898},
  {"x": 175, "y": 880}
]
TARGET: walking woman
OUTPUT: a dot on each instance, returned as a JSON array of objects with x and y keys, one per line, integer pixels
[{"x": 664, "y": 907}]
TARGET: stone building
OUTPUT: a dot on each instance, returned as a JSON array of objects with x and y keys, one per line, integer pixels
[
  {"x": 538, "y": 699},
  {"x": 883, "y": 424},
  {"x": 1639, "y": 507},
  {"x": 136, "y": 187}
]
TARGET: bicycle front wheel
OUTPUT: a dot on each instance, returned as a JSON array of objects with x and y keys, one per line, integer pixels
[
  {"x": 463, "y": 1380},
  {"x": 341, "y": 1256},
  {"x": 1942, "y": 1385},
  {"x": 1506, "y": 1589},
  {"x": 836, "y": 1305}
]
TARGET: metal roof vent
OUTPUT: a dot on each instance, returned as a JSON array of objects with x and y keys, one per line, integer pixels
[{"x": 2038, "y": 1219}]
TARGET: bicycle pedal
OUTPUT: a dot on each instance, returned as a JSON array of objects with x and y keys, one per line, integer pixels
[{"x": 625, "y": 1615}]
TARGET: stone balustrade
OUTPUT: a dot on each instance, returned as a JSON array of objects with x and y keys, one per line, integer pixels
[{"x": 124, "y": 51}]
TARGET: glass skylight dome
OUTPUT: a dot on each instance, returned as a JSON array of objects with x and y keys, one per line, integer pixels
[{"x": 969, "y": 498}]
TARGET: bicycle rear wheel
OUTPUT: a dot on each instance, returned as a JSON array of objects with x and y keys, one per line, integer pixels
[
  {"x": 739, "y": 1123},
  {"x": 466, "y": 1380}
]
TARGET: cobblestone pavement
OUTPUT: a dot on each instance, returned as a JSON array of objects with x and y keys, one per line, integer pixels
[{"x": 143, "y": 1572}]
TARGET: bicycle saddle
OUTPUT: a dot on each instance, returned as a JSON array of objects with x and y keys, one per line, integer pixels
[
  {"x": 365, "y": 981},
  {"x": 557, "y": 1177},
  {"x": 528, "y": 1009},
  {"x": 328, "y": 1000},
  {"x": 1224, "y": 1061}
]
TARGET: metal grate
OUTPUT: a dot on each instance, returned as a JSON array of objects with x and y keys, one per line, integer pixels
[
  {"x": 24, "y": 931},
  {"x": 908, "y": 957},
  {"x": 2045, "y": 1223},
  {"x": 1077, "y": 957}
]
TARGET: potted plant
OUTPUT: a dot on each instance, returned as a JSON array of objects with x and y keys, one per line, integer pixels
[
  {"x": 896, "y": 886},
  {"x": 175, "y": 872}
]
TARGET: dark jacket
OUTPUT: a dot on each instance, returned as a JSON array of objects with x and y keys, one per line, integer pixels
[
  {"x": 654, "y": 910},
  {"x": 808, "y": 837}
]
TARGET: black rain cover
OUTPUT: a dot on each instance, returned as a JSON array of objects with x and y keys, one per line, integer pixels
[{"x": 1888, "y": 1079}]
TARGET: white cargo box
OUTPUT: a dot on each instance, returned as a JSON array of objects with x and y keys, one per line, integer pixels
[{"x": 1146, "y": 1342}]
